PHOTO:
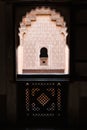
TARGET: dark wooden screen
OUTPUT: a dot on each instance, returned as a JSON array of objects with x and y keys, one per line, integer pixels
[{"x": 42, "y": 100}]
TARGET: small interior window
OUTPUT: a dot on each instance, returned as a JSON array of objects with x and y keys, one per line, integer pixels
[{"x": 43, "y": 56}]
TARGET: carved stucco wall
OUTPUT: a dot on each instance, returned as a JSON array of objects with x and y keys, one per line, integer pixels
[{"x": 42, "y": 28}]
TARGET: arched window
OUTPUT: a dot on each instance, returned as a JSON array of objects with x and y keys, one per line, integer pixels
[
  {"x": 43, "y": 52},
  {"x": 43, "y": 44},
  {"x": 43, "y": 56}
]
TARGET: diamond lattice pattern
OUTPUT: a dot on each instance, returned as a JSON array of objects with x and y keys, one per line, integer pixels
[{"x": 43, "y": 99}]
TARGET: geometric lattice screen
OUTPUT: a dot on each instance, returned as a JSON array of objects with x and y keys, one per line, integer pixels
[{"x": 44, "y": 99}]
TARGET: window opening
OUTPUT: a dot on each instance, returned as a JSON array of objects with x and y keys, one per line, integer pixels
[
  {"x": 43, "y": 43},
  {"x": 43, "y": 56}
]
